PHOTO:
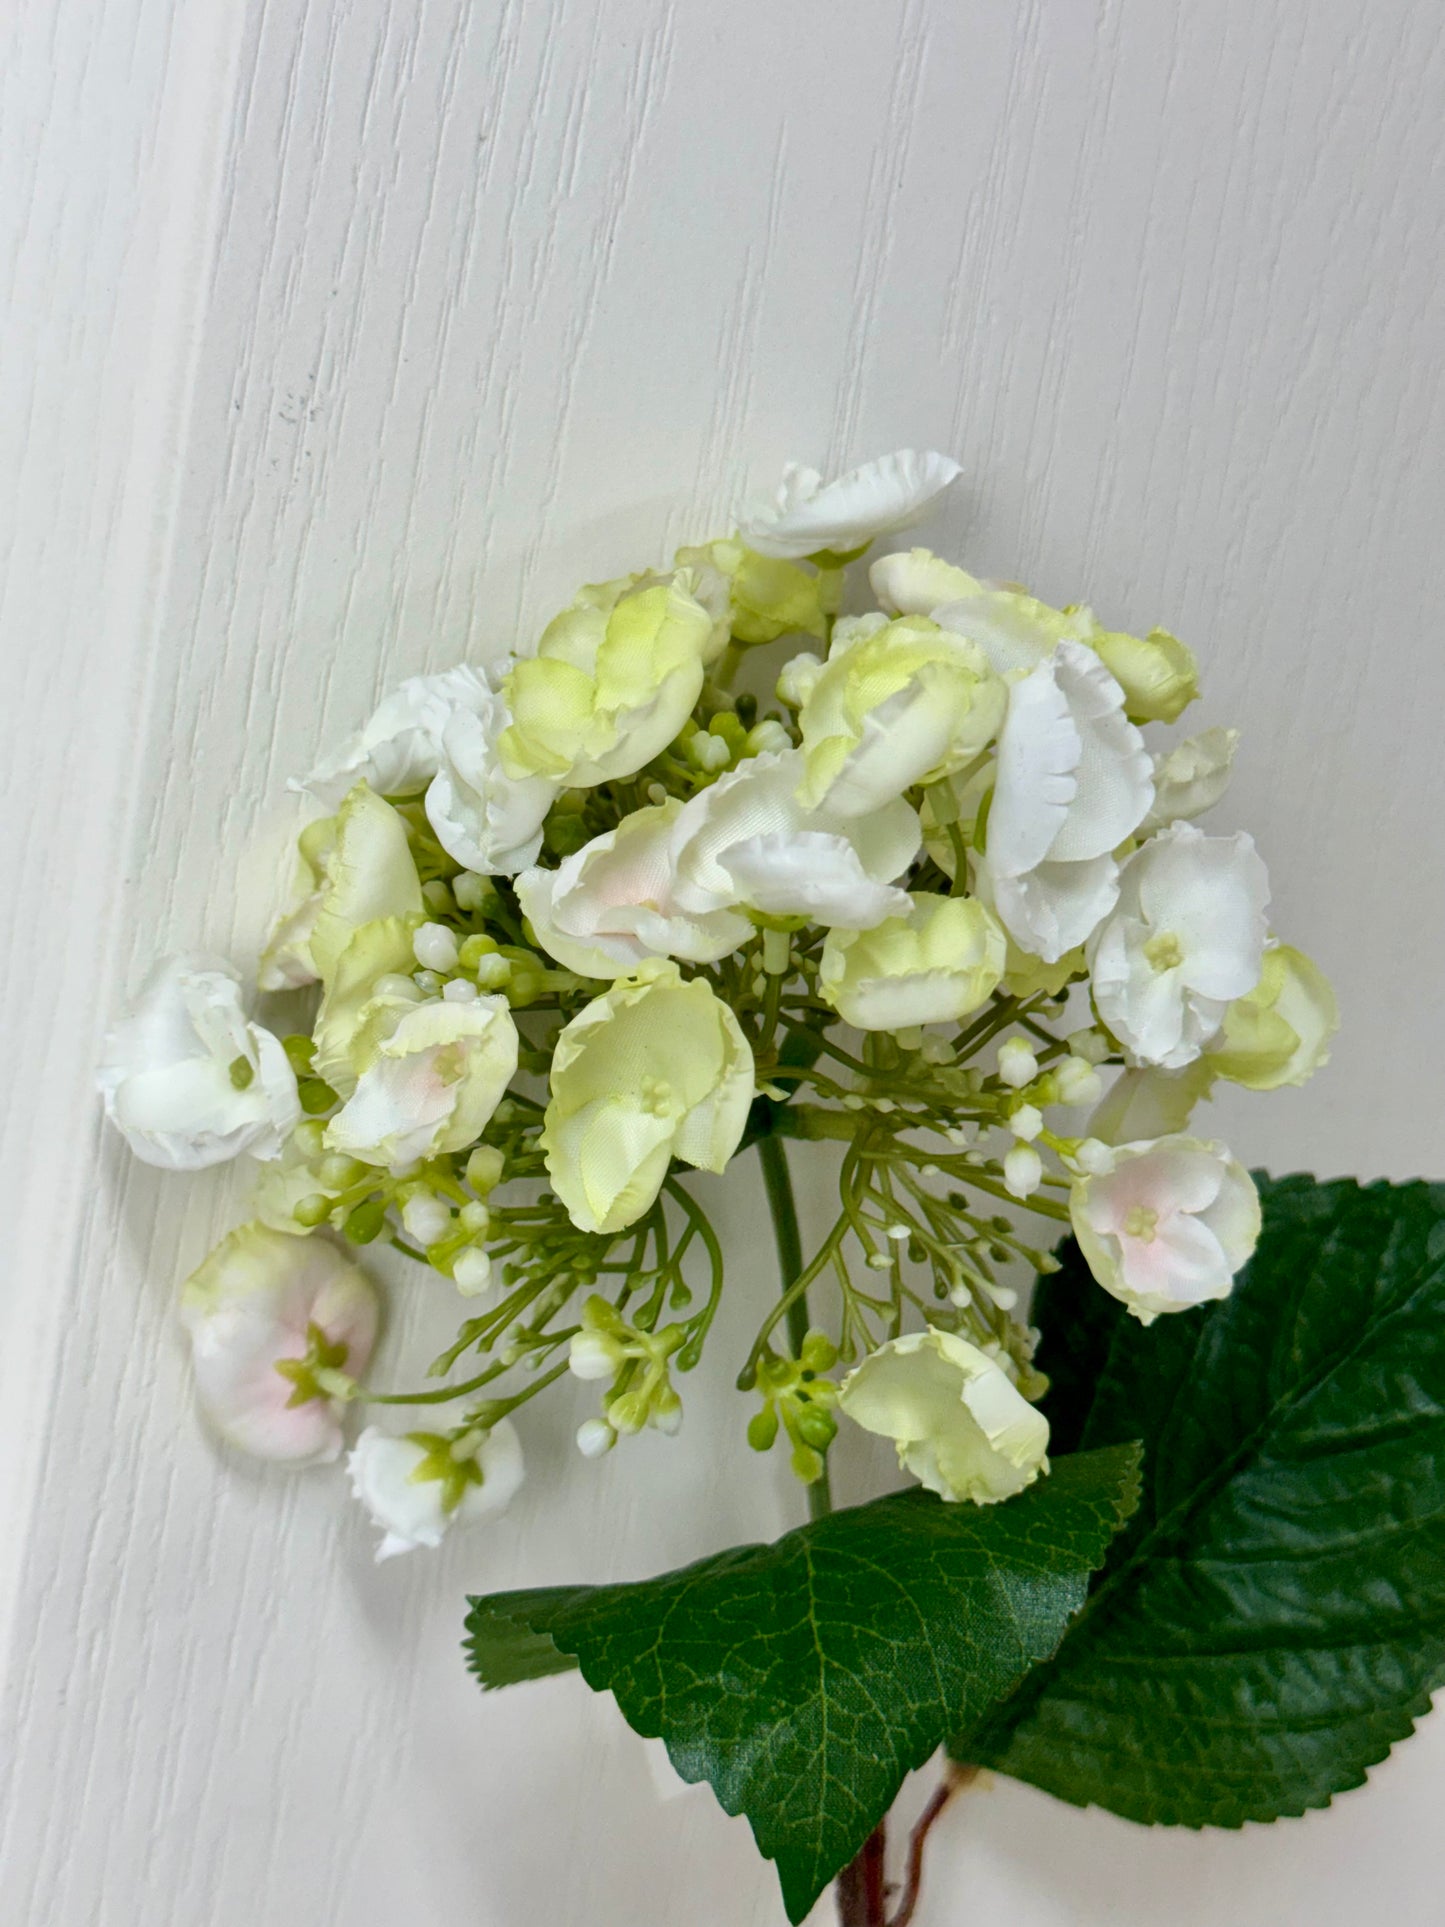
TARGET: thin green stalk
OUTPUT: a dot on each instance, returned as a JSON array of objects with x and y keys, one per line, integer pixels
[{"x": 784, "y": 1209}]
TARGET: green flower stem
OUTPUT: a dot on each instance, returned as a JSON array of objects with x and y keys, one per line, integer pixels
[{"x": 783, "y": 1207}]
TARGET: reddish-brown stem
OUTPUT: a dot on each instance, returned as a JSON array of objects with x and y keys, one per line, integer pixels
[
  {"x": 954, "y": 1778},
  {"x": 862, "y": 1890},
  {"x": 862, "y": 1894}
]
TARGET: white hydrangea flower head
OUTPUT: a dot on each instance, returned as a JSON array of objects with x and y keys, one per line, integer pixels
[
  {"x": 403, "y": 1484},
  {"x": 261, "y": 1302},
  {"x": 809, "y": 516},
  {"x": 1185, "y": 939},
  {"x": 1073, "y": 781},
  {"x": 960, "y": 1424},
  {"x": 187, "y": 1079},
  {"x": 1166, "y": 1225}
]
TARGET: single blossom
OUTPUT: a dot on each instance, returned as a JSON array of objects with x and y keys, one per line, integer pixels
[
  {"x": 1015, "y": 631},
  {"x": 809, "y": 516},
  {"x": 278, "y": 1327},
  {"x": 1073, "y": 780},
  {"x": 395, "y": 752},
  {"x": 361, "y": 994},
  {"x": 1190, "y": 778},
  {"x": 1143, "y": 1104},
  {"x": 370, "y": 875},
  {"x": 614, "y": 679},
  {"x": 1158, "y": 673},
  {"x": 187, "y": 1080},
  {"x": 1279, "y": 1032},
  {"x": 748, "y": 840},
  {"x": 416, "y": 1487},
  {"x": 763, "y": 597},
  {"x": 1186, "y": 939},
  {"x": 915, "y": 582},
  {"x": 934, "y": 965},
  {"x": 960, "y": 1425},
  {"x": 430, "y": 1085},
  {"x": 897, "y": 703},
  {"x": 1166, "y": 1225},
  {"x": 653, "y": 1069},
  {"x": 613, "y": 903},
  {"x": 484, "y": 818}
]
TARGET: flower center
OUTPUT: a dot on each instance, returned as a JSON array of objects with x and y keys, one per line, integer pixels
[
  {"x": 1164, "y": 952},
  {"x": 1141, "y": 1223},
  {"x": 656, "y": 1094}
]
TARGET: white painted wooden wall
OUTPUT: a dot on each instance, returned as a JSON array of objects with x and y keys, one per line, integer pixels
[{"x": 344, "y": 337}]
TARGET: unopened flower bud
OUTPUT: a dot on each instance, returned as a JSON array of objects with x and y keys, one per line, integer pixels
[
  {"x": 426, "y": 1219},
  {"x": 1017, "y": 1064},
  {"x": 475, "y": 1219},
  {"x": 470, "y": 890},
  {"x": 594, "y": 1355},
  {"x": 595, "y": 1438},
  {"x": 1090, "y": 1044},
  {"x": 484, "y": 1168},
  {"x": 1026, "y": 1123},
  {"x": 459, "y": 991},
  {"x": 1023, "y": 1171},
  {"x": 472, "y": 1272},
  {"x": 797, "y": 677},
  {"x": 767, "y": 735},
  {"x": 1093, "y": 1156}
]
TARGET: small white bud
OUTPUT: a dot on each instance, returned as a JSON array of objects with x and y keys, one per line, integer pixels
[
  {"x": 899, "y": 1233},
  {"x": 1089, "y": 1044},
  {"x": 427, "y": 982},
  {"x": 493, "y": 972},
  {"x": 1023, "y": 1171},
  {"x": 960, "y": 1135},
  {"x": 435, "y": 947},
  {"x": 797, "y": 677},
  {"x": 1078, "y": 1082},
  {"x": 459, "y": 991},
  {"x": 472, "y": 1272},
  {"x": 475, "y": 1219},
  {"x": 593, "y": 1355},
  {"x": 595, "y": 1437},
  {"x": 470, "y": 890},
  {"x": 708, "y": 752},
  {"x": 1094, "y": 1157},
  {"x": 426, "y": 1218},
  {"x": 767, "y": 735},
  {"x": 936, "y": 1050},
  {"x": 1026, "y": 1123},
  {"x": 1017, "y": 1064},
  {"x": 484, "y": 1168},
  {"x": 657, "y": 796},
  {"x": 879, "y": 1261}
]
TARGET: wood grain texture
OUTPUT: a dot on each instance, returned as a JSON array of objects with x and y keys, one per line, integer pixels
[{"x": 345, "y": 339}]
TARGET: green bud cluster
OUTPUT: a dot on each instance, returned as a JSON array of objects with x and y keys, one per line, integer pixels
[{"x": 800, "y": 1401}]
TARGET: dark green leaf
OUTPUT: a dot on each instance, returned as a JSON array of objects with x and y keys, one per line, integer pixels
[
  {"x": 804, "y": 1679},
  {"x": 1078, "y": 1323},
  {"x": 1273, "y": 1620}
]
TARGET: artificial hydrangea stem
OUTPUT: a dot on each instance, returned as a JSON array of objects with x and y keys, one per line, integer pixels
[{"x": 784, "y": 1211}]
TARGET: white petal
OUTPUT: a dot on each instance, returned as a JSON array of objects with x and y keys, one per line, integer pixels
[
  {"x": 808, "y": 515},
  {"x": 1056, "y": 906},
  {"x": 1192, "y": 777}
]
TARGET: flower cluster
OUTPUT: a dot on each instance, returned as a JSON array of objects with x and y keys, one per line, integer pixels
[{"x": 718, "y": 863}]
